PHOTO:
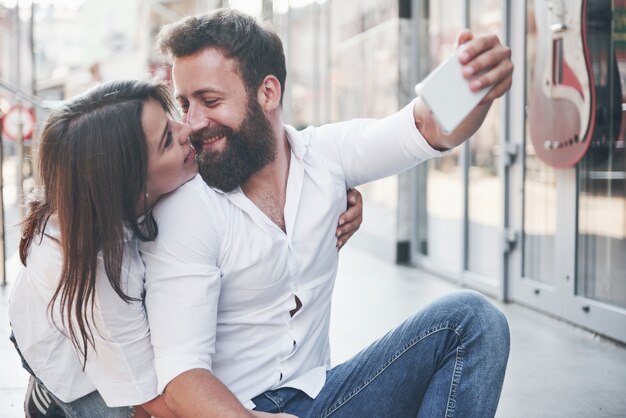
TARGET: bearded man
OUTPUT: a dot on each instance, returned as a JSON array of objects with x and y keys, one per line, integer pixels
[{"x": 240, "y": 278}]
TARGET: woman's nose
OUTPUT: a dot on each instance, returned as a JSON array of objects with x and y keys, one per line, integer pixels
[{"x": 184, "y": 132}]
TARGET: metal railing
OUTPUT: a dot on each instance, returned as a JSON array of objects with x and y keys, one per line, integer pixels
[{"x": 20, "y": 97}]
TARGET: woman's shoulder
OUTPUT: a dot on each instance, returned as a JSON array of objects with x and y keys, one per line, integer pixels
[{"x": 48, "y": 236}]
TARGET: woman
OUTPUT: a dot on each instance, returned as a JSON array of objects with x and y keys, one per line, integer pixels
[{"x": 76, "y": 310}]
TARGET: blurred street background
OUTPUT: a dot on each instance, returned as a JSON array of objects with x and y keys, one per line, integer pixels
[{"x": 546, "y": 244}]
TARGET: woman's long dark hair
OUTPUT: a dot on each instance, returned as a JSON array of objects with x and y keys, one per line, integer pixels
[{"x": 93, "y": 161}]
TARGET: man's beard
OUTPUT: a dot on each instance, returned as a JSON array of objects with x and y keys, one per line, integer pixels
[{"x": 246, "y": 150}]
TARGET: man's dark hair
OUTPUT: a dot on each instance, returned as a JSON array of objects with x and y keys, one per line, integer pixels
[{"x": 256, "y": 49}]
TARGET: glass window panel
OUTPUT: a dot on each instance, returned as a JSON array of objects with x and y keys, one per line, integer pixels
[
  {"x": 441, "y": 237},
  {"x": 364, "y": 82},
  {"x": 484, "y": 186},
  {"x": 601, "y": 244},
  {"x": 539, "y": 188}
]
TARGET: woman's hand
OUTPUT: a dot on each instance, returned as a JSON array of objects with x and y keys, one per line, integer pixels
[{"x": 350, "y": 221}]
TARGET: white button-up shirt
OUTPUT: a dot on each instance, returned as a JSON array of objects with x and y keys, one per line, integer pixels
[
  {"x": 121, "y": 368},
  {"x": 221, "y": 277}
]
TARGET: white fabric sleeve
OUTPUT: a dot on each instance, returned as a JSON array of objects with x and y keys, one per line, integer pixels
[
  {"x": 183, "y": 283},
  {"x": 370, "y": 149},
  {"x": 121, "y": 366}
]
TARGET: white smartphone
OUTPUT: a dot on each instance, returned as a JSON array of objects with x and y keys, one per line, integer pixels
[{"x": 447, "y": 93}]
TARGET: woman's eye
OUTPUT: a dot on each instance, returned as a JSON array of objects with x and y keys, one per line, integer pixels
[{"x": 169, "y": 140}]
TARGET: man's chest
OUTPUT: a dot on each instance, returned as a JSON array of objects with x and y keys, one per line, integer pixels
[
  {"x": 257, "y": 254},
  {"x": 273, "y": 207}
]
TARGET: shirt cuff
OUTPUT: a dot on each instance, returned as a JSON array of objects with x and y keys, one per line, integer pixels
[
  {"x": 422, "y": 147},
  {"x": 169, "y": 367}
]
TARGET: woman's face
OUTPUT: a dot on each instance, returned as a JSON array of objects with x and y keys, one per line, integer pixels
[{"x": 171, "y": 158}]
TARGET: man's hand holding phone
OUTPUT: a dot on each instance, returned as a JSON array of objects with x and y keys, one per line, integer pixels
[{"x": 457, "y": 94}]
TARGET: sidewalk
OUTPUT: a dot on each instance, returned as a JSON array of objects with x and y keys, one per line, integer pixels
[{"x": 555, "y": 370}]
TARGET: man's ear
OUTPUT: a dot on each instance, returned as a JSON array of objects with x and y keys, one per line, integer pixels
[{"x": 269, "y": 93}]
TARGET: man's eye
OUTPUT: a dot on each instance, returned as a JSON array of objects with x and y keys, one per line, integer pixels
[{"x": 210, "y": 102}]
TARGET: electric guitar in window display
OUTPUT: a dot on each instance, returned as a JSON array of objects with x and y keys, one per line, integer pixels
[{"x": 561, "y": 108}]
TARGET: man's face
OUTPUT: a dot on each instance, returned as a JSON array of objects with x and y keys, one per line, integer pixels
[{"x": 230, "y": 132}]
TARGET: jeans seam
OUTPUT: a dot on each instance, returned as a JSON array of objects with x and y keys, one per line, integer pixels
[
  {"x": 456, "y": 379},
  {"x": 274, "y": 401},
  {"x": 396, "y": 356}
]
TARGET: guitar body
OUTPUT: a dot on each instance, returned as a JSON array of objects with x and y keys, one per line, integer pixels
[{"x": 562, "y": 95}]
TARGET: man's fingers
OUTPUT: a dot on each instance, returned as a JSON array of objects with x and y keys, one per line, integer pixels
[
  {"x": 477, "y": 46},
  {"x": 503, "y": 82},
  {"x": 493, "y": 75},
  {"x": 464, "y": 36},
  {"x": 486, "y": 61},
  {"x": 487, "y": 64}
]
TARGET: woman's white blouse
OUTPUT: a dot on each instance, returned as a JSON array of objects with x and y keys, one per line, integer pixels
[{"x": 121, "y": 366}]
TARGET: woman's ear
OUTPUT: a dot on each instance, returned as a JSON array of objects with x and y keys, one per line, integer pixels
[{"x": 269, "y": 93}]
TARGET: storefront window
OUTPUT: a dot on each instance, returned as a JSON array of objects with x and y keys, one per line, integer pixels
[
  {"x": 484, "y": 185},
  {"x": 364, "y": 82},
  {"x": 540, "y": 187},
  {"x": 601, "y": 245},
  {"x": 441, "y": 238}
]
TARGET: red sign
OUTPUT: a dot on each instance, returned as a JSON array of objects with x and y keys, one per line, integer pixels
[{"x": 15, "y": 116}]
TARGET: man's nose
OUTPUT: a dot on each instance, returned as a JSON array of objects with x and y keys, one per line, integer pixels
[{"x": 195, "y": 120}]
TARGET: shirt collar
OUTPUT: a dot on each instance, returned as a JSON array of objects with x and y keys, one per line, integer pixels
[{"x": 297, "y": 141}]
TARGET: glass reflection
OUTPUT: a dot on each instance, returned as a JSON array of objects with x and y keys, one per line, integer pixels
[
  {"x": 484, "y": 186},
  {"x": 539, "y": 190},
  {"x": 441, "y": 237},
  {"x": 601, "y": 244}
]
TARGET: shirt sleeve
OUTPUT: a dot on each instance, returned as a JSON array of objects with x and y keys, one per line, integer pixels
[
  {"x": 183, "y": 282},
  {"x": 120, "y": 365},
  {"x": 370, "y": 149}
]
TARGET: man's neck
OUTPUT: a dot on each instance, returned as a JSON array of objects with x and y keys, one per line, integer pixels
[{"x": 267, "y": 188}]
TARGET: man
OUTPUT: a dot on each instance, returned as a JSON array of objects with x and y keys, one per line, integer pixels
[{"x": 239, "y": 280}]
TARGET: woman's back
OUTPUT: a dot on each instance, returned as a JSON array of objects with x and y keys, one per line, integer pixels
[{"x": 121, "y": 328}]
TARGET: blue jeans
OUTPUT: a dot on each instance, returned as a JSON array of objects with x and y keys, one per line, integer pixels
[
  {"x": 92, "y": 406},
  {"x": 89, "y": 406},
  {"x": 447, "y": 361}
]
